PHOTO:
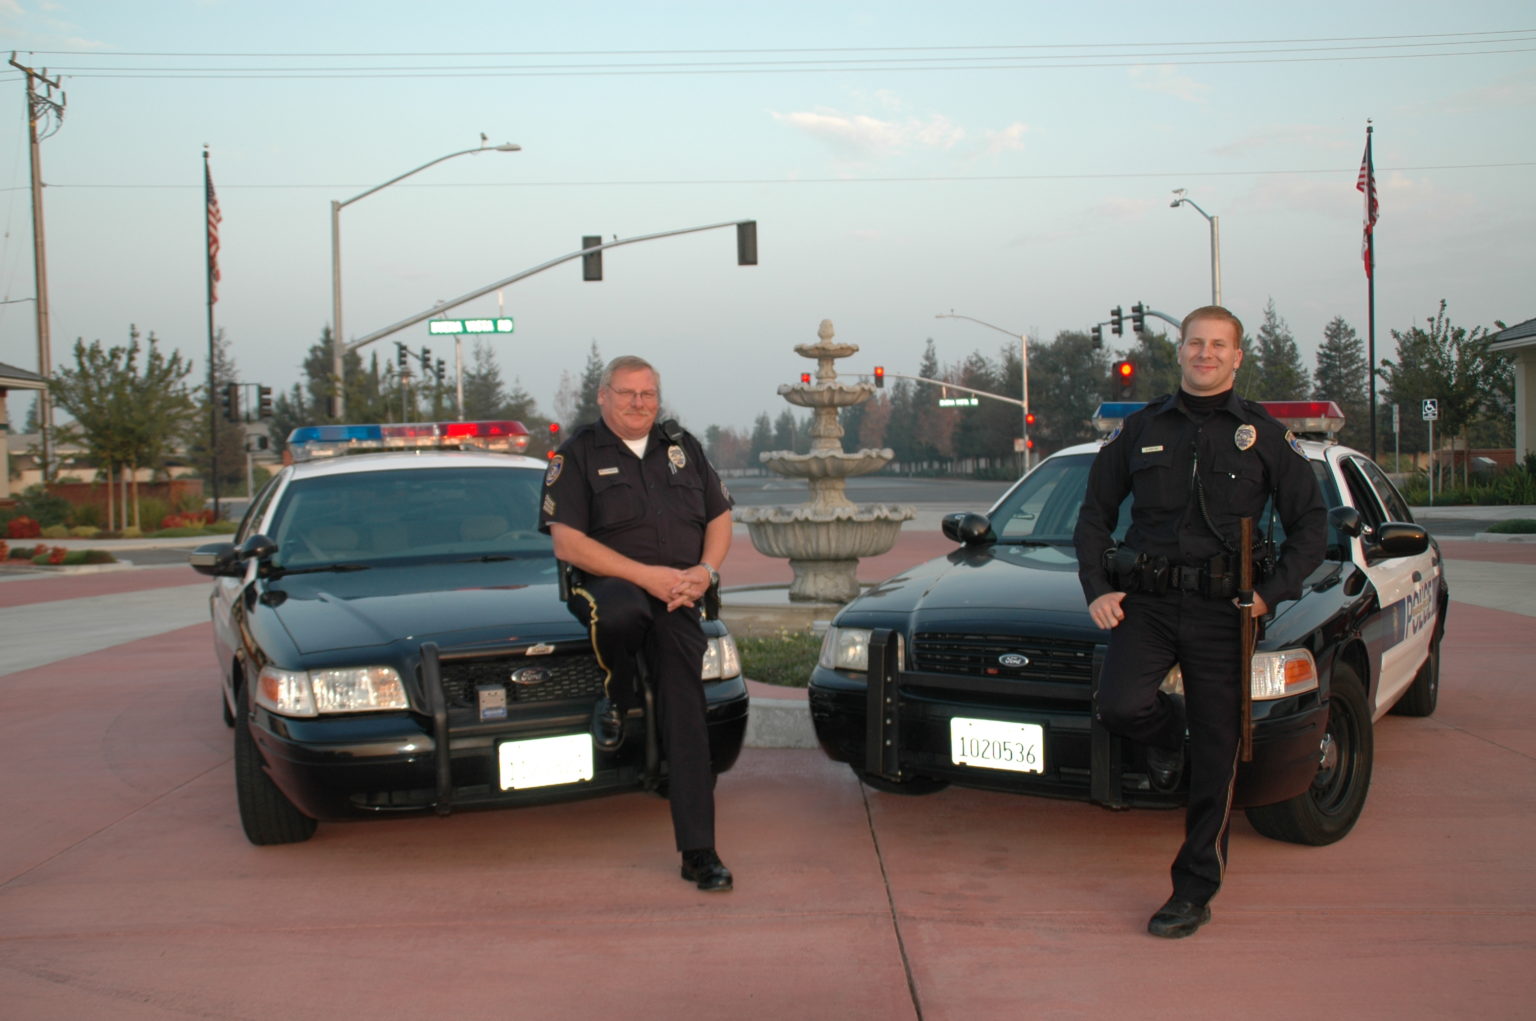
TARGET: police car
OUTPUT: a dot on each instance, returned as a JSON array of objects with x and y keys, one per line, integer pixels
[
  {"x": 391, "y": 639},
  {"x": 978, "y": 668}
]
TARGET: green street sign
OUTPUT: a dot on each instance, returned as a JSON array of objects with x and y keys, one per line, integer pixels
[{"x": 458, "y": 326}]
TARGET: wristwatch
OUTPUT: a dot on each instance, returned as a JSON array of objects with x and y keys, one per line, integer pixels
[{"x": 714, "y": 575}]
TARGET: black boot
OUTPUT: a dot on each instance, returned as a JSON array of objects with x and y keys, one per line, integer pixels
[{"x": 704, "y": 868}]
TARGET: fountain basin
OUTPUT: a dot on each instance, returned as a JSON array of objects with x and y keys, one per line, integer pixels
[{"x": 826, "y": 464}]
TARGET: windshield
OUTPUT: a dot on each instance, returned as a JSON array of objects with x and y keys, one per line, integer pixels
[
  {"x": 442, "y": 513},
  {"x": 1043, "y": 506}
]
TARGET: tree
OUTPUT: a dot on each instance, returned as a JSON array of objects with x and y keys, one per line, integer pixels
[
  {"x": 762, "y": 438},
  {"x": 586, "y": 409},
  {"x": 872, "y": 425},
  {"x": 788, "y": 433},
  {"x": 209, "y": 416},
  {"x": 367, "y": 392},
  {"x": 484, "y": 393},
  {"x": 1341, "y": 377},
  {"x": 934, "y": 438},
  {"x": 1452, "y": 366},
  {"x": 129, "y": 404},
  {"x": 1274, "y": 371},
  {"x": 901, "y": 423},
  {"x": 1068, "y": 379}
]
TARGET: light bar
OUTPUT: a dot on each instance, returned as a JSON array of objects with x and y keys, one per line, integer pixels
[
  {"x": 1311, "y": 417},
  {"x": 1108, "y": 416},
  {"x": 309, "y": 442}
]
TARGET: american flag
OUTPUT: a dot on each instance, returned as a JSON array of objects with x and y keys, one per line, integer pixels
[
  {"x": 1366, "y": 184},
  {"x": 214, "y": 216}
]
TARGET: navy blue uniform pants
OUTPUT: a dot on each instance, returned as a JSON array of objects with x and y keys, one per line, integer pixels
[
  {"x": 627, "y": 623},
  {"x": 1201, "y": 635}
]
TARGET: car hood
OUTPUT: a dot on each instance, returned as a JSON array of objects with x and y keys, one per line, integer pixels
[
  {"x": 980, "y": 581},
  {"x": 452, "y": 604}
]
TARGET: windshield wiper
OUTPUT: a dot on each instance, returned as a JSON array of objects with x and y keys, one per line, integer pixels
[
  {"x": 279, "y": 572},
  {"x": 486, "y": 558}
]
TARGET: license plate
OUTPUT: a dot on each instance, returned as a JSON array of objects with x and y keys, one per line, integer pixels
[
  {"x": 993, "y": 744},
  {"x": 545, "y": 761}
]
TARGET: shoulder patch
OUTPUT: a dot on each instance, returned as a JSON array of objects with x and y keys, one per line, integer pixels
[
  {"x": 556, "y": 463},
  {"x": 1290, "y": 438},
  {"x": 1106, "y": 441}
]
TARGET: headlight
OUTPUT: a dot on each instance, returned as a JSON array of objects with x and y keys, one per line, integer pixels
[
  {"x": 721, "y": 660},
  {"x": 845, "y": 648},
  {"x": 1275, "y": 675},
  {"x": 317, "y": 692}
]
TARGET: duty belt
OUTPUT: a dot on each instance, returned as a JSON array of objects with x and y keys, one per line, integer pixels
[{"x": 1134, "y": 571}]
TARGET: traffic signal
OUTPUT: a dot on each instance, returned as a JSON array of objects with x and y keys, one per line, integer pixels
[
  {"x": 880, "y": 377},
  {"x": 805, "y": 377},
  {"x": 442, "y": 371},
  {"x": 1125, "y": 376},
  {"x": 746, "y": 243},
  {"x": 1138, "y": 318},
  {"x": 554, "y": 439},
  {"x": 263, "y": 402},
  {"x": 403, "y": 355},
  {"x": 426, "y": 362},
  {"x": 592, "y": 262},
  {"x": 230, "y": 398},
  {"x": 1098, "y": 336},
  {"x": 1029, "y": 418},
  {"x": 1117, "y": 320}
]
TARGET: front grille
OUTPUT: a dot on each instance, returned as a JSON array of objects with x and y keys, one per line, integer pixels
[
  {"x": 572, "y": 677},
  {"x": 979, "y": 655}
]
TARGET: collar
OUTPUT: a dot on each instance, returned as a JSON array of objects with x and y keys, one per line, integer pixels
[
  {"x": 608, "y": 438},
  {"x": 1233, "y": 406}
]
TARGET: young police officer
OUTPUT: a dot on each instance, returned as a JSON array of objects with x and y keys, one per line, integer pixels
[
  {"x": 639, "y": 512},
  {"x": 1195, "y": 463}
]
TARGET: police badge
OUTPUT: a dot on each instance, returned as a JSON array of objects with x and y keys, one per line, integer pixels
[
  {"x": 555, "y": 464},
  {"x": 1290, "y": 438},
  {"x": 677, "y": 457},
  {"x": 1245, "y": 436}
]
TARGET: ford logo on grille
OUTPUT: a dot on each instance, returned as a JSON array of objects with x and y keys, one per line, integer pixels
[
  {"x": 1013, "y": 660},
  {"x": 529, "y": 675}
]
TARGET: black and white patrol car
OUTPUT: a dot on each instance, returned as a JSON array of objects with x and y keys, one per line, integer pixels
[
  {"x": 391, "y": 638},
  {"x": 978, "y": 668}
]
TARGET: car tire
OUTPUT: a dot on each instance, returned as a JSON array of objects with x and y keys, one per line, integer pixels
[
  {"x": 912, "y": 786},
  {"x": 1330, "y": 808},
  {"x": 1424, "y": 693},
  {"x": 267, "y": 816}
]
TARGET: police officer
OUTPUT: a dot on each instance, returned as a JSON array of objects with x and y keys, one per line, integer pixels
[
  {"x": 638, "y": 511},
  {"x": 1195, "y": 463}
]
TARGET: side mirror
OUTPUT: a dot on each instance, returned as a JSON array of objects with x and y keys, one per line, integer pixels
[
  {"x": 1400, "y": 539},
  {"x": 968, "y": 528},
  {"x": 216, "y": 559},
  {"x": 1347, "y": 521},
  {"x": 258, "y": 546}
]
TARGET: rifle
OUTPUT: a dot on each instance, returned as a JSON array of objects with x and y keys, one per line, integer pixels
[{"x": 1247, "y": 633}]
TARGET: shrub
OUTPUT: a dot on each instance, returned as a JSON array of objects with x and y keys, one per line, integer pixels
[
  {"x": 194, "y": 519},
  {"x": 23, "y": 527},
  {"x": 131, "y": 533},
  {"x": 43, "y": 507},
  {"x": 56, "y": 532},
  {"x": 785, "y": 658},
  {"x": 84, "y": 532},
  {"x": 151, "y": 510},
  {"x": 87, "y": 514},
  {"x": 1514, "y": 526}
]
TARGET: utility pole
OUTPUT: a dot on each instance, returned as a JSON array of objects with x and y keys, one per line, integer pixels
[{"x": 41, "y": 107}]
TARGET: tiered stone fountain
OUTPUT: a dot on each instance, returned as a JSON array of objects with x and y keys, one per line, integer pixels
[{"x": 825, "y": 538}]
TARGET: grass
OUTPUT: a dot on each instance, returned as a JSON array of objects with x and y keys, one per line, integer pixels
[
  {"x": 1514, "y": 526},
  {"x": 785, "y": 658}
]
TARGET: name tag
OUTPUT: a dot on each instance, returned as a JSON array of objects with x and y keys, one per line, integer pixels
[
  {"x": 607, "y": 471},
  {"x": 1152, "y": 450}
]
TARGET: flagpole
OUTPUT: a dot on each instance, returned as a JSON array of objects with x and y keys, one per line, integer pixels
[
  {"x": 212, "y": 270},
  {"x": 1368, "y": 171}
]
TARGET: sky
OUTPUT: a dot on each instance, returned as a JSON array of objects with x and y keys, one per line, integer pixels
[{"x": 1013, "y": 162}]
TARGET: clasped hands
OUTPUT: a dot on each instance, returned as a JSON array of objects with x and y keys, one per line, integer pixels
[
  {"x": 1107, "y": 612},
  {"x": 677, "y": 587}
]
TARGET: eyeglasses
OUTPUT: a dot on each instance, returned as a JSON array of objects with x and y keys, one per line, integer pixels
[{"x": 646, "y": 396}]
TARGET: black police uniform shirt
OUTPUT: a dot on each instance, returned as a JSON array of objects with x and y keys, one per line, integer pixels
[
  {"x": 1239, "y": 454},
  {"x": 652, "y": 509}
]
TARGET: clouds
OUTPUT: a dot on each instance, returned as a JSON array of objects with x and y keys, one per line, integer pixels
[
  {"x": 1168, "y": 80},
  {"x": 864, "y": 137}
]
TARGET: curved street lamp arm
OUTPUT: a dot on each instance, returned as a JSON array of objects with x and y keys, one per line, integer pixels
[{"x": 503, "y": 147}]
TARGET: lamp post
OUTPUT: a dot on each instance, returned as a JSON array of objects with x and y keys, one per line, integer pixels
[
  {"x": 1181, "y": 199},
  {"x": 338, "y": 346},
  {"x": 1023, "y": 372}
]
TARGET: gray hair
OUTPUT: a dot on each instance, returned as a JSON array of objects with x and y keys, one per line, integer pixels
[{"x": 627, "y": 363}]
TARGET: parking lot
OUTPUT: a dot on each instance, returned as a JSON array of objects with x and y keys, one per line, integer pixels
[{"x": 127, "y": 889}]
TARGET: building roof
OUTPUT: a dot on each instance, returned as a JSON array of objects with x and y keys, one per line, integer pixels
[
  {"x": 12, "y": 378},
  {"x": 1511, "y": 338}
]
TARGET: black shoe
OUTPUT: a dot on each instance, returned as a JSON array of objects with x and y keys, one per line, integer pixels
[
  {"x": 607, "y": 725},
  {"x": 1164, "y": 767},
  {"x": 705, "y": 869},
  {"x": 1178, "y": 918}
]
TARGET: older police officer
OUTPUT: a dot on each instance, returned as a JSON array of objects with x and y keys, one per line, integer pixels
[
  {"x": 1195, "y": 462},
  {"x": 641, "y": 514}
]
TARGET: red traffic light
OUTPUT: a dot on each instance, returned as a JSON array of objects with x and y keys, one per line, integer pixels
[
  {"x": 554, "y": 428},
  {"x": 805, "y": 377},
  {"x": 1125, "y": 370},
  {"x": 879, "y": 375},
  {"x": 1029, "y": 418}
]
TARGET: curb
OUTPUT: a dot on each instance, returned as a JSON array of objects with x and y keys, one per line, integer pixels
[{"x": 779, "y": 723}]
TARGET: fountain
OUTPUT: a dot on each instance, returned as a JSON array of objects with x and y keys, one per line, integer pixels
[{"x": 825, "y": 537}]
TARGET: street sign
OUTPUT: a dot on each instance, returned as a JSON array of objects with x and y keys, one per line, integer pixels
[
  {"x": 958, "y": 402},
  {"x": 1431, "y": 409},
  {"x": 458, "y": 326}
]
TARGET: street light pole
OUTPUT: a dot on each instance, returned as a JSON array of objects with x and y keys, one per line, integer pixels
[
  {"x": 338, "y": 346},
  {"x": 1215, "y": 222},
  {"x": 1023, "y": 371}
]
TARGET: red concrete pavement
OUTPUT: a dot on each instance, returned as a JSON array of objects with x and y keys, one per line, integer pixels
[{"x": 128, "y": 891}]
